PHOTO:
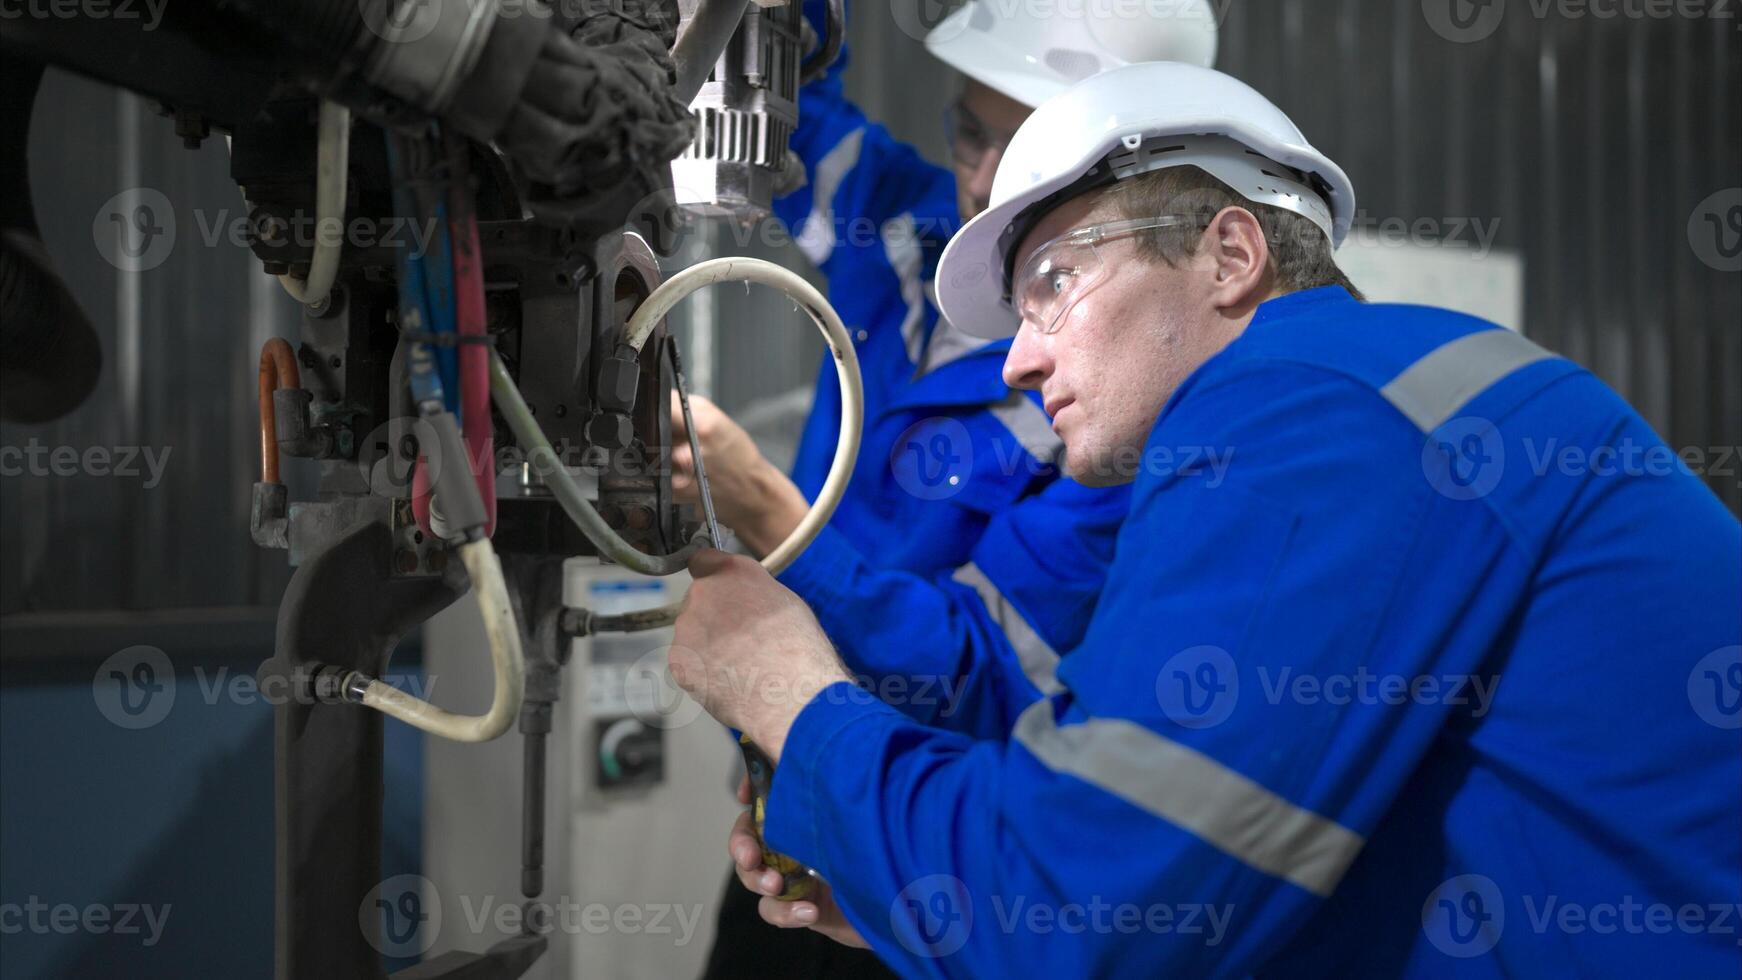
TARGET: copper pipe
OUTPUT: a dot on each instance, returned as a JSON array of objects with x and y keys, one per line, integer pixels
[{"x": 277, "y": 370}]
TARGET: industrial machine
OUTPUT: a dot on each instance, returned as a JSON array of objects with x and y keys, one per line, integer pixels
[{"x": 485, "y": 381}]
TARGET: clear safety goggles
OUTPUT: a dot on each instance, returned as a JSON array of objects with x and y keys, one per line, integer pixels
[
  {"x": 970, "y": 137},
  {"x": 1064, "y": 270}
]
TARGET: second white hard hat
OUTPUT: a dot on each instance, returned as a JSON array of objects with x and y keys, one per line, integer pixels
[
  {"x": 1033, "y": 51},
  {"x": 1119, "y": 124}
]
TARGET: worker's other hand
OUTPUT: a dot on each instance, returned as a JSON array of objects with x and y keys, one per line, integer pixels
[
  {"x": 818, "y": 912},
  {"x": 748, "y": 650},
  {"x": 751, "y": 496}
]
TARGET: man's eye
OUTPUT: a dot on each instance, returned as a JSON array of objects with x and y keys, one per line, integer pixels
[{"x": 1060, "y": 279}]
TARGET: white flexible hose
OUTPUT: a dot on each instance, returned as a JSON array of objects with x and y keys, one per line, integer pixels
[
  {"x": 331, "y": 160},
  {"x": 738, "y": 269},
  {"x": 505, "y": 656}
]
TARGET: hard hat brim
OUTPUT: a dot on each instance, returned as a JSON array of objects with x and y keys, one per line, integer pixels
[
  {"x": 970, "y": 277},
  {"x": 990, "y": 62}
]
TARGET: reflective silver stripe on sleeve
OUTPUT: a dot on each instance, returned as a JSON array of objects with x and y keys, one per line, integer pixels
[
  {"x": 1196, "y": 793},
  {"x": 1030, "y": 426},
  {"x": 817, "y": 238},
  {"x": 1038, "y": 659},
  {"x": 1435, "y": 388},
  {"x": 901, "y": 249}
]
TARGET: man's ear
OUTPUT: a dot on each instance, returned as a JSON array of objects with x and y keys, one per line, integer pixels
[{"x": 1236, "y": 245}]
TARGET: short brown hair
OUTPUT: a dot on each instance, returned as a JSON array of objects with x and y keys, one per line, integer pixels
[{"x": 1300, "y": 254}]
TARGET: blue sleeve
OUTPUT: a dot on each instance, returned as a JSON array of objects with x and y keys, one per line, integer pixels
[
  {"x": 858, "y": 177},
  {"x": 969, "y": 652},
  {"x": 1170, "y": 814}
]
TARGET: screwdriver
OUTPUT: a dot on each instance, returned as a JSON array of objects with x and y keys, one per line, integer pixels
[{"x": 797, "y": 881}]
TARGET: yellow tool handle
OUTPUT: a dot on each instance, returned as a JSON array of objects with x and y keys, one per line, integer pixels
[{"x": 797, "y": 881}]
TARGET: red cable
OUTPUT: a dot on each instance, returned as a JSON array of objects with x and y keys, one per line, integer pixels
[{"x": 469, "y": 319}]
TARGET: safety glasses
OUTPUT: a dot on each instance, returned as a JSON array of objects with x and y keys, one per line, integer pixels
[
  {"x": 1061, "y": 272},
  {"x": 970, "y": 138}
]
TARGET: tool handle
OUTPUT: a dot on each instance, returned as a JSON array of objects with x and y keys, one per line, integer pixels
[{"x": 797, "y": 881}]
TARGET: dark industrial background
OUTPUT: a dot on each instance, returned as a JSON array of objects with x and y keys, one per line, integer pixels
[{"x": 1608, "y": 150}]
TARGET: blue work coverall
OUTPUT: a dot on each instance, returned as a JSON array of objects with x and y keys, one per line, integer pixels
[
  {"x": 1440, "y": 675},
  {"x": 958, "y": 552}
]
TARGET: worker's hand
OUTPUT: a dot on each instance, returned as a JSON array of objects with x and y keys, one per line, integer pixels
[
  {"x": 752, "y": 497},
  {"x": 818, "y": 912},
  {"x": 748, "y": 650}
]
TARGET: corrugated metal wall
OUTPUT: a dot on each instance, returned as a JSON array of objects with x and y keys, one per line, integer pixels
[
  {"x": 1594, "y": 142},
  {"x": 179, "y": 342}
]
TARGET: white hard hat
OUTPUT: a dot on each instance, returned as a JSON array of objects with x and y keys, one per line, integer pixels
[
  {"x": 1119, "y": 124},
  {"x": 1032, "y": 52}
]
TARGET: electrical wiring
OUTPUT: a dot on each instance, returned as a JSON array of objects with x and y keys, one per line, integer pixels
[
  {"x": 332, "y": 159},
  {"x": 641, "y": 325},
  {"x": 739, "y": 269}
]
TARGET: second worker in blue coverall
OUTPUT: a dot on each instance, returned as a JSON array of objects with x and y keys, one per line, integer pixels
[{"x": 956, "y": 530}]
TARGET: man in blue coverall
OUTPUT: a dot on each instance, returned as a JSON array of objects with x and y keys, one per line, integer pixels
[
  {"x": 955, "y": 530},
  {"x": 1388, "y": 695}
]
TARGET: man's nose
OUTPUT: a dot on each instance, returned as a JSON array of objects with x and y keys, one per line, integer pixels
[
  {"x": 1028, "y": 364},
  {"x": 980, "y": 182}
]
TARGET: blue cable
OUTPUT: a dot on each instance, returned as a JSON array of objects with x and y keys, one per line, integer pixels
[
  {"x": 415, "y": 312},
  {"x": 438, "y": 281}
]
